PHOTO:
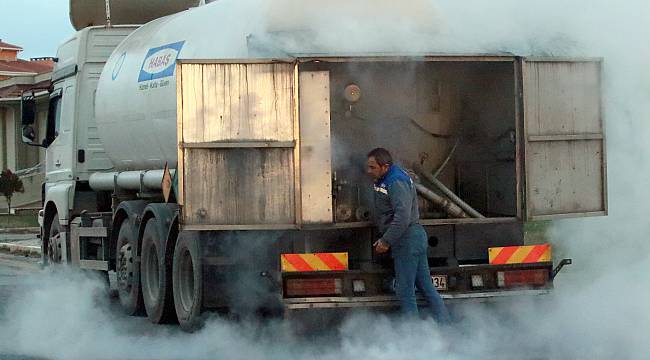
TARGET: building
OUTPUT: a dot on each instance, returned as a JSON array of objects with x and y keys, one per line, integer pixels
[{"x": 16, "y": 77}]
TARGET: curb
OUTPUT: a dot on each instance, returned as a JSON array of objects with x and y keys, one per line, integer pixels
[
  {"x": 22, "y": 230},
  {"x": 25, "y": 250}
]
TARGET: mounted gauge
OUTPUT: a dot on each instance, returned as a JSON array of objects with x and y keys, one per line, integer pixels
[{"x": 352, "y": 93}]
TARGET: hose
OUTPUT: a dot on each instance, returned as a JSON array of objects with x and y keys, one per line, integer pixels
[{"x": 449, "y": 207}]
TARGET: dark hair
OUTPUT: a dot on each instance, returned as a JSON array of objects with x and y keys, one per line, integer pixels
[{"x": 382, "y": 156}]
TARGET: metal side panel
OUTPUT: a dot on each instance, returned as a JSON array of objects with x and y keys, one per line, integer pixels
[
  {"x": 75, "y": 250},
  {"x": 565, "y": 162},
  {"x": 237, "y": 143},
  {"x": 237, "y": 102},
  {"x": 94, "y": 265},
  {"x": 315, "y": 147},
  {"x": 239, "y": 187}
]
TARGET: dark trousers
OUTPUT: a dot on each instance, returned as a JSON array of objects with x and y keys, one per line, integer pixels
[{"x": 412, "y": 270}]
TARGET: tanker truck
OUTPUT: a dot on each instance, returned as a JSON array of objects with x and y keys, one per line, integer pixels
[{"x": 211, "y": 167}]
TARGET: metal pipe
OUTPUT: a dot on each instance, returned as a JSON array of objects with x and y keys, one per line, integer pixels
[
  {"x": 102, "y": 181},
  {"x": 449, "y": 207},
  {"x": 450, "y": 194},
  {"x": 128, "y": 180},
  {"x": 444, "y": 163},
  {"x": 152, "y": 179}
]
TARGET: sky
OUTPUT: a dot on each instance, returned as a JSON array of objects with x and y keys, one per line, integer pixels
[{"x": 38, "y": 26}]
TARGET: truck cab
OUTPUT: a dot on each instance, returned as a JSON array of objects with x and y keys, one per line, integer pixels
[{"x": 73, "y": 148}]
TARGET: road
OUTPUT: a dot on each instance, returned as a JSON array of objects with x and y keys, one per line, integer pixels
[
  {"x": 30, "y": 313},
  {"x": 67, "y": 315},
  {"x": 13, "y": 270}
]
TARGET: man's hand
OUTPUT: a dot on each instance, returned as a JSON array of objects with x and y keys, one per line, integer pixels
[{"x": 381, "y": 246}]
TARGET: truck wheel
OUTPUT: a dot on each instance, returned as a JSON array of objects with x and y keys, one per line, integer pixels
[
  {"x": 156, "y": 276},
  {"x": 128, "y": 273},
  {"x": 188, "y": 282},
  {"x": 54, "y": 251}
]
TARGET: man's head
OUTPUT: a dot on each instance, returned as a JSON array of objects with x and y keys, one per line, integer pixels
[{"x": 379, "y": 162}]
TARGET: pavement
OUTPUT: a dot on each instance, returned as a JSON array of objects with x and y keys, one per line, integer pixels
[{"x": 22, "y": 241}]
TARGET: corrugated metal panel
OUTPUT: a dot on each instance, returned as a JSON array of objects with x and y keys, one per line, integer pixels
[
  {"x": 102, "y": 42},
  {"x": 315, "y": 147},
  {"x": 565, "y": 155}
]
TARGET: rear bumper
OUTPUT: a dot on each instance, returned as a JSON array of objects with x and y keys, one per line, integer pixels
[{"x": 392, "y": 301}]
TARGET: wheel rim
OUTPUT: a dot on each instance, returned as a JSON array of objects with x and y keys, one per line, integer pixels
[
  {"x": 125, "y": 268},
  {"x": 186, "y": 280},
  {"x": 151, "y": 274},
  {"x": 54, "y": 245}
]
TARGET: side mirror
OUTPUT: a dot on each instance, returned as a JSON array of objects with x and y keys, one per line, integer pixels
[
  {"x": 28, "y": 108},
  {"x": 29, "y": 135},
  {"x": 28, "y": 113}
]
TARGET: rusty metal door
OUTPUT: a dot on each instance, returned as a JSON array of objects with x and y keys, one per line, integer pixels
[
  {"x": 237, "y": 134},
  {"x": 564, "y": 140}
]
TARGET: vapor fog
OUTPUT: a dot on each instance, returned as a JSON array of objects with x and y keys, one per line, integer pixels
[{"x": 599, "y": 308}]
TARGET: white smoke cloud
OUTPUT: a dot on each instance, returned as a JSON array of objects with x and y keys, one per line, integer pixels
[{"x": 599, "y": 307}]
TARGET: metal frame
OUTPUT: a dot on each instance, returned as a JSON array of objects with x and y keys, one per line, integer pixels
[
  {"x": 393, "y": 301},
  {"x": 305, "y": 58},
  {"x": 239, "y": 227},
  {"x": 520, "y": 166},
  {"x": 180, "y": 163},
  {"x": 468, "y": 221},
  {"x": 76, "y": 233},
  {"x": 238, "y": 145},
  {"x": 297, "y": 192}
]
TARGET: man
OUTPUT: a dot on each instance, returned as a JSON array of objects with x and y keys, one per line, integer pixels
[{"x": 397, "y": 218}]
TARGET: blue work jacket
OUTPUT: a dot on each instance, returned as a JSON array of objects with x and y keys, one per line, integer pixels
[{"x": 396, "y": 213}]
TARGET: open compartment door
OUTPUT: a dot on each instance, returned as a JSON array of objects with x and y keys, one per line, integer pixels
[
  {"x": 565, "y": 162},
  {"x": 237, "y": 136}
]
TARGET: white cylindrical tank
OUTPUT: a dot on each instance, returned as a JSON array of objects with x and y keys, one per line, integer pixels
[{"x": 135, "y": 104}]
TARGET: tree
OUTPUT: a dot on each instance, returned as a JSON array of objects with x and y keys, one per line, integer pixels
[{"x": 9, "y": 184}]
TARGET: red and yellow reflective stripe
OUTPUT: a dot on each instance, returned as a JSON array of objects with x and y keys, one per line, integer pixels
[
  {"x": 314, "y": 262},
  {"x": 519, "y": 254}
]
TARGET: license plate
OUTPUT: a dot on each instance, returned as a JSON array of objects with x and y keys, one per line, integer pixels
[{"x": 439, "y": 281}]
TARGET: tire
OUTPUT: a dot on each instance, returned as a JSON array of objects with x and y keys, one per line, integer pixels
[
  {"x": 54, "y": 249},
  {"x": 188, "y": 282},
  {"x": 156, "y": 275},
  {"x": 128, "y": 273}
]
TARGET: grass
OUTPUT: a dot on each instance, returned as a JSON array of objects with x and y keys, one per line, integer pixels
[{"x": 18, "y": 221}]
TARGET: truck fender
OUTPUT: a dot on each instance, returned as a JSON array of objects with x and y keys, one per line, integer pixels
[
  {"x": 132, "y": 210},
  {"x": 166, "y": 215},
  {"x": 59, "y": 197}
]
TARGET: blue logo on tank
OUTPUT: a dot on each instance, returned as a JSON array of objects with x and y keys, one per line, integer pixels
[
  {"x": 160, "y": 62},
  {"x": 118, "y": 66}
]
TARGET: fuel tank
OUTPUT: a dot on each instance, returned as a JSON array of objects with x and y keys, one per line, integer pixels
[
  {"x": 135, "y": 105},
  {"x": 135, "y": 102}
]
